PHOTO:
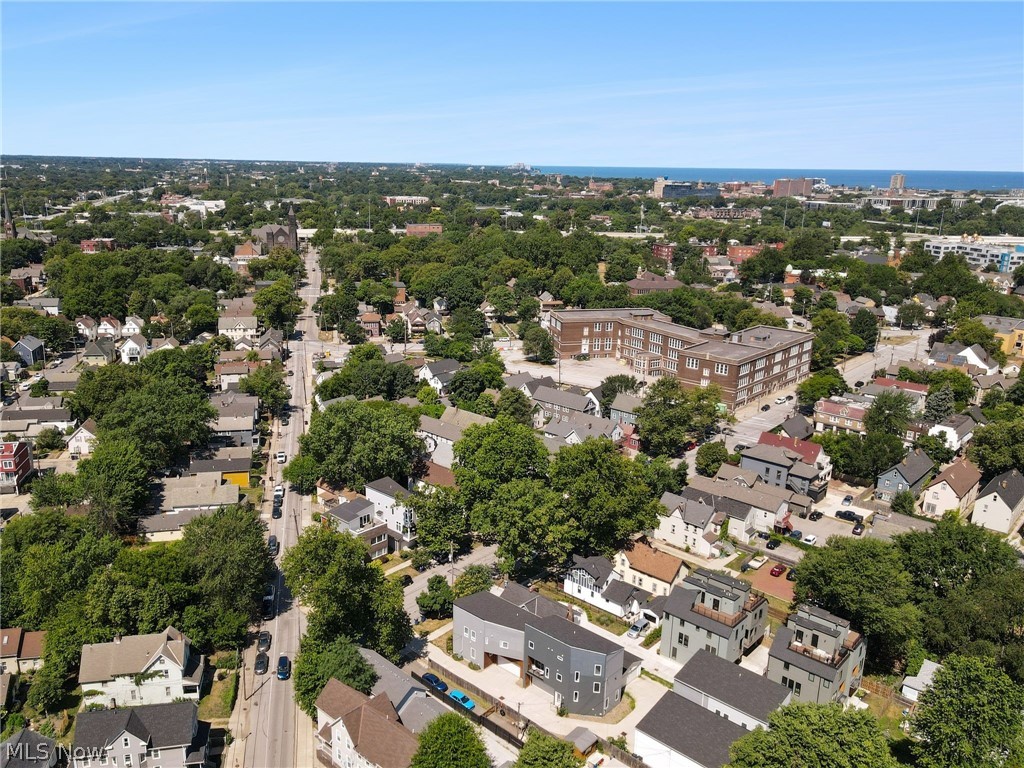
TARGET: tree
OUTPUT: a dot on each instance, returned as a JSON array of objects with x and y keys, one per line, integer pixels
[
  {"x": 442, "y": 522},
  {"x": 831, "y": 337},
  {"x": 277, "y": 305},
  {"x": 865, "y": 326},
  {"x": 302, "y": 472},
  {"x": 671, "y": 416},
  {"x": 436, "y": 602},
  {"x": 503, "y": 301},
  {"x": 537, "y": 345},
  {"x": 889, "y": 414},
  {"x": 515, "y": 405},
  {"x": 863, "y": 580},
  {"x": 450, "y": 740},
  {"x": 998, "y": 448},
  {"x": 814, "y": 735},
  {"x": 904, "y": 503},
  {"x": 612, "y": 386},
  {"x": 316, "y": 664},
  {"x": 970, "y": 332},
  {"x": 822, "y": 384},
  {"x": 466, "y": 386},
  {"x": 491, "y": 455},
  {"x": 49, "y": 439},
  {"x": 911, "y": 314},
  {"x": 268, "y": 383},
  {"x": 544, "y": 751},
  {"x": 940, "y": 404},
  {"x": 710, "y": 457},
  {"x": 397, "y": 330},
  {"x": 970, "y": 717},
  {"x": 475, "y": 578},
  {"x": 115, "y": 482},
  {"x": 525, "y": 518}
]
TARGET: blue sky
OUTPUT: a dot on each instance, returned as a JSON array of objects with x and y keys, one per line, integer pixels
[{"x": 809, "y": 85}]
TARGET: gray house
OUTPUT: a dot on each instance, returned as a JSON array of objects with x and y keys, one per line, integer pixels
[
  {"x": 170, "y": 734},
  {"x": 817, "y": 656},
  {"x": 489, "y": 630},
  {"x": 28, "y": 749},
  {"x": 30, "y": 349},
  {"x": 715, "y": 612},
  {"x": 624, "y": 408},
  {"x": 729, "y": 690},
  {"x": 584, "y": 672},
  {"x": 909, "y": 475},
  {"x": 677, "y": 733},
  {"x": 785, "y": 468}
]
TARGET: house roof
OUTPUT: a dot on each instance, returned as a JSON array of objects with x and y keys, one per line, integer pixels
[
  {"x": 808, "y": 451},
  {"x": 732, "y": 684},
  {"x": 1009, "y": 486},
  {"x": 622, "y": 593},
  {"x": 646, "y": 559},
  {"x": 492, "y": 609},
  {"x": 377, "y": 734},
  {"x": 409, "y": 698},
  {"x": 223, "y": 460},
  {"x": 572, "y": 635},
  {"x": 336, "y": 699},
  {"x": 464, "y": 419},
  {"x": 915, "y": 465},
  {"x": 27, "y": 749},
  {"x": 691, "y": 730},
  {"x": 443, "y": 366},
  {"x": 780, "y": 650},
  {"x": 626, "y": 403},
  {"x": 201, "y": 490},
  {"x": 388, "y": 487},
  {"x": 960, "y": 476},
  {"x": 923, "y": 678},
  {"x": 438, "y": 475},
  {"x": 30, "y": 342},
  {"x": 431, "y": 426},
  {"x": 600, "y": 568},
  {"x": 906, "y": 386},
  {"x": 160, "y": 725},
  {"x": 533, "y": 602},
  {"x": 131, "y": 655},
  {"x": 798, "y": 426},
  {"x": 570, "y": 400}
]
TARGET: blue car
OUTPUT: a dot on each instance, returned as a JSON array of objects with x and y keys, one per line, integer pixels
[
  {"x": 462, "y": 699},
  {"x": 284, "y": 668},
  {"x": 435, "y": 682}
]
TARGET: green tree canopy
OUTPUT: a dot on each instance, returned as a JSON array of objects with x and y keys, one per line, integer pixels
[
  {"x": 268, "y": 384},
  {"x": 889, "y": 414},
  {"x": 711, "y": 456},
  {"x": 544, "y": 751},
  {"x": 822, "y": 384},
  {"x": 316, "y": 664},
  {"x": 672, "y": 415},
  {"x": 450, "y": 740}
]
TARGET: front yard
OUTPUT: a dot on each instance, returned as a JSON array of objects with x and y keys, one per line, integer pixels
[{"x": 220, "y": 700}]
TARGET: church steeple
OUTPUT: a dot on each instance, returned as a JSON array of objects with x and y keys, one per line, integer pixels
[{"x": 10, "y": 230}]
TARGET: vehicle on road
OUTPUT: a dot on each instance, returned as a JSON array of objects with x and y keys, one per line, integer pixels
[
  {"x": 276, "y": 512},
  {"x": 847, "y": 500},
  {"x": 763, "y": 535},
  {"x": 273, "y": 545},
  {"x": 780, "y": 400},
  {"x": 262, "y": 664},
  {"x": 858, "y": 529},
  {"x": 291, "y": 372},
  {"x": 815, "y": 515},
  {"x": 811, "y": 539},
  {"x": 757, "y": 562},
  {"x": 858, "y": 384},
  {"x": 284, "y": 668},
  {"x": 263, "y": 642},
  {"x": 267, "y": 613},
  {"x": 278, "y": 491},
  {"x": 766, "y": 407},
  {"x": 772, "y": 544},
  {"x": 849, "y": 515},
  {"x": 797, "y": 534},
  {"x": 778, "y": 569},
  {"x": 690, "y": 446},
  {"x": 740, "y": 447},
  {"x": 461, "y": 698},
  {"x": 284, "y": 421},
  {"x": 282, "y": 458},
  {"x": 435, "y": 682},
  {"x": 637, "y": 628}
]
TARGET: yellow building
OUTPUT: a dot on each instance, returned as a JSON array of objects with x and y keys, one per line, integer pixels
[
  {"x": 233, "y": 464},
  {"x": 1009, "y": 331}
]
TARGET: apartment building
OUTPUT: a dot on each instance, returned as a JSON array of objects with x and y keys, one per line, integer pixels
[
  {"x": 1003, "y": 253},
  {"x": 745, "y": 365},
  {"x": 713, "y": 611},
  {"x": 817, "y": 656},
  {"x": 1009, "y": 331},
  {"x": 838, "y": 414}
]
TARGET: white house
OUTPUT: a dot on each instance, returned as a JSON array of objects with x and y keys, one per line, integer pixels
[
  {"x": 678, "y": 733},
  {"x": 87, "y": 327},
  {"x": 1000, "y": 505},
  {"x": 109, "y": 326},
  {"x": 955, "y": 487},
  {"x": 590, "y": 578},
  {"x": 82, "y": 439},
  {"x": 439, "y": 373},
  {"x": 439, "y": 438},
  {"x": 956, "y": 431},
  {"x": 132, "y": 325},
  {"x": 359, "y": 731},
  {"x": 386, "y": 496},
  {"x": 133, "y": 349},
  {"x": 690, "y": 525},
  {"x": 237, "y": 327},
  {"x": 915, "y": 685},
  {"x": 141, "y": 669}
]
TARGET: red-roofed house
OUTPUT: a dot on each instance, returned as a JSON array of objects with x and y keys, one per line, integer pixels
[
  {"x": 809, "y": 452},
  {"x": 839, "y": 415},
  {"x": 20, "y": 651}
]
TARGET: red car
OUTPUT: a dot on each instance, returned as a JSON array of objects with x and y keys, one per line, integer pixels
[{"x": 778, "y": 569}]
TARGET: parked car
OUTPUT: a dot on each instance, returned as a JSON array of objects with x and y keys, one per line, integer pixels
[
  {"x": 458, "y": 696},
  {"x": 851, "y": 516},
  {"x": 263, "y": 642},
  {"x": 778, "y": 569},
  {"x": 262, "y": 664},
  {"x": 858, "y": 384},
  {"x": 811, "y": 539},
  {"x": 284, "y": 668},
  {"x": 780, "y": 400},
  {"x": 858, "y": 529},
  {"x": 278, "y": 491},
  {"x": 791, "y": 576},
  {"x": 740, "y": 447},
  {"x": 757, "y": 562},
  {"x": 766, "y": 407},
  {"x": 639, "y": 626},
  {"x": 797, "y": 534},
  {"x": 815, "y": 515},
  {"x": 772, "y": 544},
  {"x": 273, "y": 546},
  {"x": 291, "y": 372},
  {"x": 267, "y": 614},
  {"x": 285, "y": 421},
  {"x": 435, "y": 682},
  {"x": 847, "y": 500},
  {"x": 282, "y": 458},
  {"x": 763, "y": 535}
]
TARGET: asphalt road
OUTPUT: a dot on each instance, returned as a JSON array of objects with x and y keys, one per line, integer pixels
[{"x": 279, "y": 734}]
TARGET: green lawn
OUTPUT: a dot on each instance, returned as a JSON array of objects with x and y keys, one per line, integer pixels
[
  {"x": 218, "y": 703},
  {"x": 596, "y": 615}
]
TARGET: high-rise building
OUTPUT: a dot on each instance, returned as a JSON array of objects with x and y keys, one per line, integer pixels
[
  {"x": 792, "y": 187},
  {"x": 897, "y": 182}
]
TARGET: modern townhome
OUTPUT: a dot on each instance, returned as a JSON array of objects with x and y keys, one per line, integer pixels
[
  {"x": 954, "y": 488},
  {"x": 1000, "y": 505},
  {"x": 356, "y": 515},
  {"x": 133, "y": 349},
  {"x": 168, "y": 735},
  {"x": 729, "y": 690},
  {"x": 360, "y": 730},
  {"x": 713, "y": 611},
  {"x": 690, "y": 525},
  {"x": 386, "y": 496},
  {"x": 639, "y": 564},
  {"x": 909, "y": 475},
  {"x": 141, "y": 669},
  {"x": 580, "y": 670},
  {"x": 21, "y": 651},
  {"x": 745, "y": 365},
  {"x": 799, "y": 465},
  {"x": 677, "y": 733},
  {"x": 817, "y": 656}
]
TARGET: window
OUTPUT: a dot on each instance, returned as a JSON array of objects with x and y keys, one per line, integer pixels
[
  {"x": 126, "y": 742},
  {"x": 655, "y": 338},
  {"x": 826, "y": 683},
  {"x": 597, "y": 687},
  {"x": 531, "y": 645},
  {"x": 721, "y": 368},
  {"x": 128, "y": 761},
  {"x": 133, "y": 699},
  {"x": 608, "y": 326},
  {"x": 692, "y": 363},
  {"x": 576, "y": 677},
  {"x": 597, "y": 326},
  {"x": 472, "y": 634},
  {"x": 504, "y": 643},
  {"x": 472, "y": 653},
  {"x": 558, "y": 676},
  {"x": 8, "y": 465},
  {"x": 685, "y": 639},
  {"x": 597, "y": 669},
  {"x": 154, "y": 753},
  {"x": 575, "y": 695},
  {"x": 465, "y": 631}
]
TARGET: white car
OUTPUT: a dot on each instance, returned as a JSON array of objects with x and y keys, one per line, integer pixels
[
  {"x": 780, "y": 400},
  {"x": 279, "y": 490},
  {"x": 757, "y": 562},
  {"x": 811, "y": 539},
  {"x": 281, "y": 457}
]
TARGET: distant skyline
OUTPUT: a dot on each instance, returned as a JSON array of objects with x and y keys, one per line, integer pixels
[{"x": 914, "y": 86}]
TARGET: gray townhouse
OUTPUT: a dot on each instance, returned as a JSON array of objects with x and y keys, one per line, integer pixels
[
  {"x": 529, "y": 637},
  {"x": 909, "y": 475},
  {"x": 817, "y": 656},
  {"x": 550, "y": 402},
  {"x": 715, "y": 612},
  {"x": 168, "y": 735},
  {"x": 785, "y": 467},
  {"x": 624, "y": 408}
]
